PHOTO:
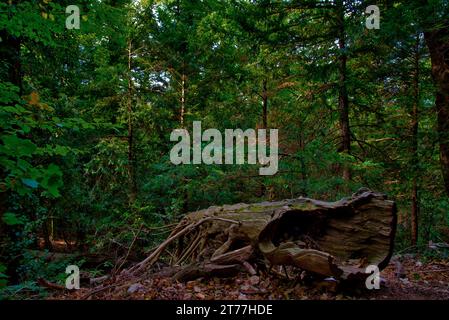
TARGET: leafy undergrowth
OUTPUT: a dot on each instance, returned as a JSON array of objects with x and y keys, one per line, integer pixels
[{"x": 406, "y": 278}]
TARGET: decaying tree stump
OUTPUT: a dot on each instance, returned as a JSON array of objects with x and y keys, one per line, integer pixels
[{"x": 331, "y": 239}]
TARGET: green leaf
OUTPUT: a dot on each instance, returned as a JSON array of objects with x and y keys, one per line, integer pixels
[
  {"x": 54, "y": 170},
  {"x": 11, "y": 219},
  {"x": 52, "y": 180},
  {"x": 17, "y": 147},
  {"x": 61, "y": 150}
]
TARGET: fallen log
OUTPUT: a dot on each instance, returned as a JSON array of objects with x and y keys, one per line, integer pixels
[{"x": 330, "y": 239}]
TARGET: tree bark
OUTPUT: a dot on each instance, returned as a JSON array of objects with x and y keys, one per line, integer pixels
[
  {"x": 264, "y": 104},
  {"x": 263, "y": 188},
  {"x": 131, "y": 156},
  {"x": 437, "y": 41},
  {"x": 415, "y": 159},
  {"x": 343, "y": 101},
  {"x": 183, "y": 99}
]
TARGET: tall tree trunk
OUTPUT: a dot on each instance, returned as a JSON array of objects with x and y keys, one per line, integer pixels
[
  {"x": 414, "y": 127},
  {"x": 183, "y": 98},
  {"x": 437, "y": 41},
  {"x": 46, "y": 235},
  {"x": 264, "y": 96},
  {"x": 264, "y": 104},
  {"x": 183, "y": 50},
  {"x": 131, "y": 157},
  {"x": 303, "y": 170},
  {"x": 343, "y": 101}
]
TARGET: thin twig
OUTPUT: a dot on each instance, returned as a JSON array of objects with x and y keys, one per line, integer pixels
[
  {"x": 99, "y": 290},
  {"x": 130, "y": 247}
]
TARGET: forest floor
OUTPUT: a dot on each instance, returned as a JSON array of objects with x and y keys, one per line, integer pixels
[{"x": 406, "y": 278}]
